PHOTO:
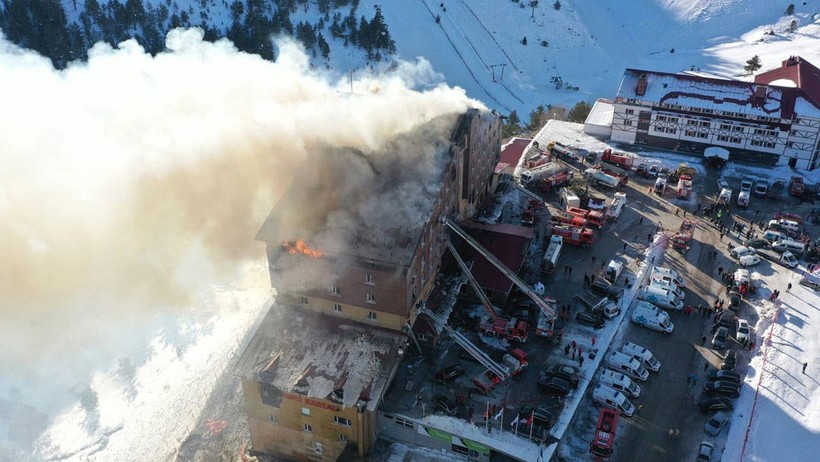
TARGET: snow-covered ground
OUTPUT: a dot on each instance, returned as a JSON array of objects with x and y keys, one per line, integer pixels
[{"x": 132, "y": 390}]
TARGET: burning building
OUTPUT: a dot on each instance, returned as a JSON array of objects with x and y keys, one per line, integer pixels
[{"x": 354, "y": 243}]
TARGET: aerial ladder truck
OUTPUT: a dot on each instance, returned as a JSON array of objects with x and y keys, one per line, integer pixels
[
  {"x": 495, "y": 373},
  {"x": 546, "y": 306}
]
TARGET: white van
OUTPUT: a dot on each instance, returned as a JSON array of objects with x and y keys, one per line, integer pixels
[
  {"x": 669, "y": 286},
  {"x": 613, "y": 271},
  {"x": 788, "y": 245},
  {"x": 569, "y": 199},
  {"x": 660, "y": 297},
  {"x": 628, "y": 365},
  {"x": 620, "y": 382},
  {"x": 790, "y": 225},
  {"x": 772, "y": 235},
  {"x": 741, "y": 251},
  {"x": 666, "y": 273},
  {"x": 613, "y": 399},
  {"x": 643, "y": 355}
]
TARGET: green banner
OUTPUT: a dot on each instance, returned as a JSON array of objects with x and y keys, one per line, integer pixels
[
  {"x": 439, "y": 435},
  {"x": 477, "y": 447}
]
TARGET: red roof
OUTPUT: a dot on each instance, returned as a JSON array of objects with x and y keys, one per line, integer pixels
[
  {"x": 512, "y": 151},
  {"x": 799, "y": 71},
  {"x": 509, "y": 243}
]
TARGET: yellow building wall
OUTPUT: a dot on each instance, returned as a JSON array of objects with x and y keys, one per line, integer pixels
[
  {"x": 281, "y": 430},
  {"x": 352, "y": 312}
]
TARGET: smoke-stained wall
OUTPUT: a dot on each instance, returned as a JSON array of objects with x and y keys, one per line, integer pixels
[{"x": 132, "y": 182}]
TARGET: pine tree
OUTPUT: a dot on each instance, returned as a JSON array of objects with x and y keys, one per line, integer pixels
[
  {"x": 790, "y": 9},
  {"x": 752, "y": 64},
  {"x": 579, "y": 112},
  {"x": 538, "y": 117},
  {"x": 793, "y": 26},
  {"x": 512, "y": 125}
]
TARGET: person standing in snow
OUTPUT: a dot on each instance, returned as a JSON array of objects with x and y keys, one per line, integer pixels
[{"x": 804, "y": 367}]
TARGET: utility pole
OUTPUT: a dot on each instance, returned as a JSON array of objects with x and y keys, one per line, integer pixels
[
  {"x": 533, "y": 4},
  {"x": 501, "y": 75}
]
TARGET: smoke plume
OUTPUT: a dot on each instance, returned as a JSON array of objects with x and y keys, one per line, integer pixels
[{"x": 131, "y": 181}]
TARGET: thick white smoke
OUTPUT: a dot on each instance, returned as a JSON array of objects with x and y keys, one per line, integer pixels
[{"x": 131, "y": 182}]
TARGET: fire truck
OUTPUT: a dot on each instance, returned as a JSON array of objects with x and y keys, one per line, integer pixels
[
  {"x": 494, "y": 325},
  {"x": 582, "y": 237},
  {"x": 547, "y": 306},
  {"x": 595, "y": 218},
  {"x": 684, "y": 187},
  {"x": 554, "y": 181},
  {"x": 681, "y": 239},
  {"x": 576, "y": 220},
  {"x": 604, "y": 439},
  {"x": 623, "y": 178},
  {"x": 623, "y": 160}
]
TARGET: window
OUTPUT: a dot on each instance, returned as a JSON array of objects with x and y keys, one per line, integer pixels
[
  {"x": 371, "y": 316},
  {"x": 272, "y": 418},
  {"x": 335, "y": 290},
  {"x": 343, "y": 438},
  {"x": 341, "y": 421},
  {"x": 368, "y": 279},
  {"x": 337, "y": 307},
  {"x": 423, "y": 337},
  {"x": 306, "y": 411},
  {"x": 318, "y": 448},
  {"x": 630, "y": 111},
  {"x": 308, "y": 428},
  {"x": 627, "y": 122},
  {"x": 303, "y": 300},
  {"x": 404, "y": 423},
  {"x": 371, "y": 298}
]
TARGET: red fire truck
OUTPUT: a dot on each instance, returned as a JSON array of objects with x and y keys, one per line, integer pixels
[{"x": 604, "y": 439}]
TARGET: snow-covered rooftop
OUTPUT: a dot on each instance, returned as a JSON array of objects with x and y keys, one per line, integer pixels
[
  {"x": 602, "y": 113},
  {"x": 716, "y": 94},
  {"x": 322, "y": 357}
]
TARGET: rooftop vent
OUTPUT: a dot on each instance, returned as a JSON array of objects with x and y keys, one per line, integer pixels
[{"x": 640, "y": 89}]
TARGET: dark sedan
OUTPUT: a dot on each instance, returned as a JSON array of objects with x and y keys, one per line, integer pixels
[
  {"x": 722, "y": 388},
  {"x": 449, "y": 373},
  {"x": 602, "y": 287},
  {"x": 568, "y": 373},
  {"x": 720, "y": 338},
  {"x": 757, "y": 243},
  {"x": 590, "y": 319},
  {"x": 729, "y": 376},
  {"x": 552, "y": 385},
  {"x": 444, "y": 405},
  {"x": 714, "y": 403},
  {"x": 730, "y": 361}
]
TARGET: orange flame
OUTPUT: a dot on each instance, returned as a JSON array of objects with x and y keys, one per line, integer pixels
[{"x": 301, "y": 246}]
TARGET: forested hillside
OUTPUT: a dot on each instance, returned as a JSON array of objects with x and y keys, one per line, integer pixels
[{"x": 64, "y": 31}]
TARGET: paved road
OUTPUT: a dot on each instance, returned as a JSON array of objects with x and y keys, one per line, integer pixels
[{"x": 669, "y": 426}]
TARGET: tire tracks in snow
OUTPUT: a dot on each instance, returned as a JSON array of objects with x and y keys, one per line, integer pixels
[
  {"x": 464, "y": 61},
  {"x": 512, "y": 63}
]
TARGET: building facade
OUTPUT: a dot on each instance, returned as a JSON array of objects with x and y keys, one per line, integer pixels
[
  {"x": 774, "y": 120},
  {"x": 370, "y": 291}
]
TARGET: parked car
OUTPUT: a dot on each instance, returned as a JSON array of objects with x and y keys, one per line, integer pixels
[
  {"x": 719, "y": 340},
  {"x": 722, "y": 388},
  {"x": 705, "y": 452},
  {"x": 722, "y": 184},
  {"x": 444, "y": 405},
  {"x": 757, "y": 243},
  {"x": 590, "y": 319},
  {"x": 734, "y": 300},
  {"x": 729, "y": 376},
  {"x": 730, "y": 361},
  {"x": 540, "y": 415},
  {"x": 604, "y": 288},
  {"x": 716, "y": 423},
  {"x": 552, "y": 385},
  {"x": 749, "y": 260},
  {"x": 449, "y": 373},
  {"x": 714, "y": 403},
  {"x": 811, "y": 281},
  {"x": 742, "y": 333},
  {"x": 566, "y": 372}
]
